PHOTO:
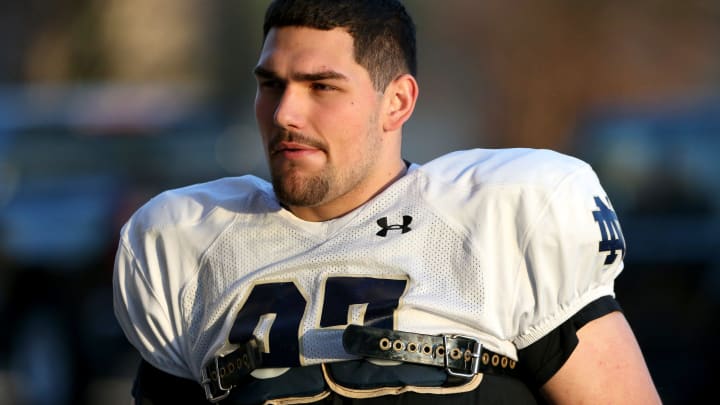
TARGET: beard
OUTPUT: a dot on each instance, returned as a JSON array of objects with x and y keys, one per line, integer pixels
[
  {"x": 291, "y": 186},
  {"x": 297, "y": 190}
]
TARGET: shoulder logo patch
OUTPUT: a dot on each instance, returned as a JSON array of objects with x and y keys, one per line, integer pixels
[
  {"x": 384, "y": 227},
  {"x": 610, "y": 232}
]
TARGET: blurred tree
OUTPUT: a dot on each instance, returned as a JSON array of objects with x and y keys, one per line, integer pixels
[
  {"x": 47, "y": 41},
  {"x": 542, "y": 64},
  {"x": 155, "y": 41}
]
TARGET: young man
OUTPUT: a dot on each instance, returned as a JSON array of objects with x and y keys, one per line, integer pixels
[{"x": 356, "y": 277}]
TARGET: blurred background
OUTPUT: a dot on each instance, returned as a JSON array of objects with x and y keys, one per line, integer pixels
[{"x": 105, "y": 103}]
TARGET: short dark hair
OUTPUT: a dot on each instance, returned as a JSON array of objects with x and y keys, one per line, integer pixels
[{"x": 383, "y": 32}]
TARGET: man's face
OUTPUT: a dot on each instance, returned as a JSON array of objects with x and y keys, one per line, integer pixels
[{"x": 317, "y": 112}]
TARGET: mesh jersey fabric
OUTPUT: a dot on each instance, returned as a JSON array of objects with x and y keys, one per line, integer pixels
[{"x": 500, "y": 244}]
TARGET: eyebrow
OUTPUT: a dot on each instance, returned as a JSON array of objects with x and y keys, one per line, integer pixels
[{"x": 302, "y": 77}]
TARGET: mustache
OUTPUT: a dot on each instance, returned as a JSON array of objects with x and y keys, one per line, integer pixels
[{"x": 295, "y": 137}]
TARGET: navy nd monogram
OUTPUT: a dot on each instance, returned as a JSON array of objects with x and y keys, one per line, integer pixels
[{"x": 612, "y": 237}]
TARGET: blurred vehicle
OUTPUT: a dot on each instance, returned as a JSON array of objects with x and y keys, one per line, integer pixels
[
  {"x": 74, "y": 164},
  {"x": 661, "y": 169}
]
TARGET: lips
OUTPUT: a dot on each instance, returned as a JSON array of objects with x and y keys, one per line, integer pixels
[
  {"x": 297, "y": 152},
  {"x": 295, "y": 147},
  {"x": 291, "y": 147}
]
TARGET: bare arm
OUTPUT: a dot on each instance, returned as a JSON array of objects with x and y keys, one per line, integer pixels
[{"x": 606, "y": 367}]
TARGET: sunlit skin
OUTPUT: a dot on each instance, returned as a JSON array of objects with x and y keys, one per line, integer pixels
[
  {"x": 610, "y": 364},
  {"x": 332, "y": 140}
]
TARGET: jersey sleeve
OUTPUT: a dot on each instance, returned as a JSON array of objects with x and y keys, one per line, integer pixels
[
  {"x": 143, "y": 293},
  {"x": 573, "y": 251}
]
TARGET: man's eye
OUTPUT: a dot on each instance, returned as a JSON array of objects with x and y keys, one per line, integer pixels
[
  {"x": 323, "y": 87},
  {"x": 272, "y": 84}
]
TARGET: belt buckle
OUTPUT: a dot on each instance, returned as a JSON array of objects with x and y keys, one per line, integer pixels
[
  {"x": 206, "y": 381},
  {"x": 475, "y": 354}
]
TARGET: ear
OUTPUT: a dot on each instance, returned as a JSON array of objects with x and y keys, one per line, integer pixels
[{"x": 399, "y": 98}]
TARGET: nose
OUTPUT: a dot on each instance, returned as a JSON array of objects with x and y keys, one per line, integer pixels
[{"x": 289, "y": 110}]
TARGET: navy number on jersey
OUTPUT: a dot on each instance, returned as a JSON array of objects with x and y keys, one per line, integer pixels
[
  {"x": 381, "y": 297},
  {"x": 286, "y": 303}
]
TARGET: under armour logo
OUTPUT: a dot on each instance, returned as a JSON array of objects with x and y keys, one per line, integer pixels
[
  {"x": 612, "y": 237},
  {"x": 383, "y": 222}
]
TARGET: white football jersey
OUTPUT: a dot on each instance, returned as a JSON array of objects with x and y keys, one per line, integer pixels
[{"x": 504, "y": 245}]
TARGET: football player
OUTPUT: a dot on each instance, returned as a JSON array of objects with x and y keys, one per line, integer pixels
[{"x": 354, "y": 276}]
